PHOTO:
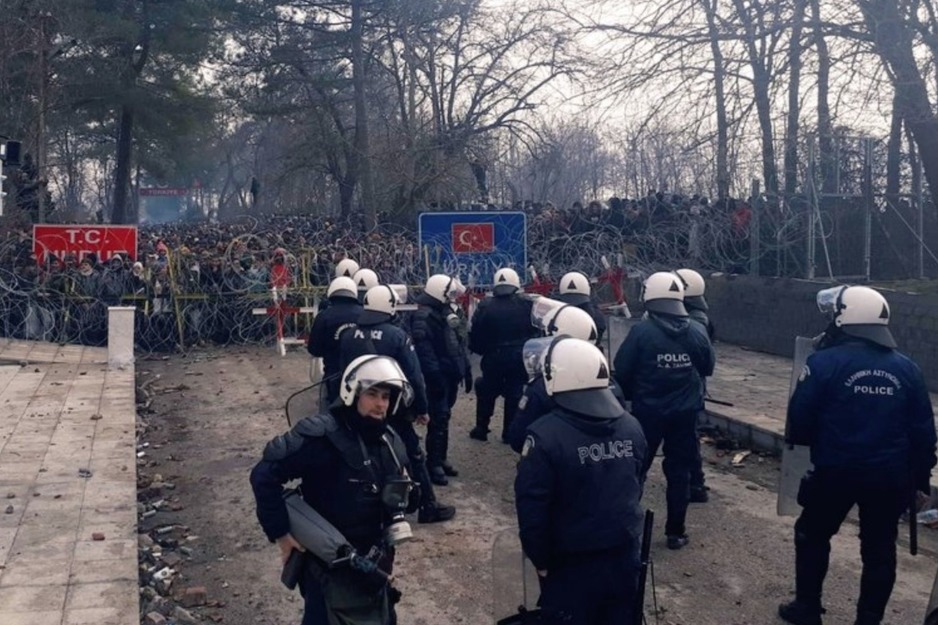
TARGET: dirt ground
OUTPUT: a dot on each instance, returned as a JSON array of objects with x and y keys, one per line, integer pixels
[{"x": 214, "y": 409}]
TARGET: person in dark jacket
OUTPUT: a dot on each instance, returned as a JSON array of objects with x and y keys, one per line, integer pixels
[
  {"x": 696, "y": 305},
  {"x": 342, "y": 313},
  {"x": 660, "y": 367},
  {"x": 377, "y": 333},
  {"x": 500, "y": 327},
  {"x": 575, "y": 289},
  {"x": 344, "y": 459},
  {"x": 443, "y": 363},
  {"x": 864, "y": 410},
  {"x": 578, "y": 492}
]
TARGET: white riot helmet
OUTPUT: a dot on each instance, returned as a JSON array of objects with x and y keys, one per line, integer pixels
[
  {"x": 441, "y": 287},
  {"x": 576, "y": 376},
  {"x": 370, "y": 370},
  {"x": 694, "y": 287},
  {"x": 365, "y": 279},
  {"x": 380, "y": 304},
  {"x": 859, "y": 311},
  {"x": 506, "y": 282},
  {"x": 346, "y": 267},
  {"x": 571, "y": 321},
  {"x": 575, "y": 288},
  {"x": 342, "y": 287},
  {"x": 663, "y": 293}
]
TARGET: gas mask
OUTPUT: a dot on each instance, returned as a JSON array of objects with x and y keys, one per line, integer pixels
[{"x": 394, "y": 497}]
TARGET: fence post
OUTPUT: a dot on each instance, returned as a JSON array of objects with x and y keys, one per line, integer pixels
[
  {"x": 919, "y": 200},
  {"x": 755, "y": 229},
  {"x": 811, "y": 215},
  {"x": 868, "y": 206},
  {"x": 120, "y": 336}
]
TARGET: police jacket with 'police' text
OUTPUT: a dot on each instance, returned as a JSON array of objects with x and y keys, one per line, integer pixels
[
  {"x": 325, "y": 453},
  {"x": 660, "y": 365},
  {"x": 386, "y": 339},
  {"x": 579, "y": 486},
  {"x": 861, "y": 405}
]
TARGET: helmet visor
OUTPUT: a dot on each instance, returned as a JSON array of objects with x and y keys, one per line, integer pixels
[
  {"x": 828, "y": 301},
  {"x": 400, "y": 389},
  {"x": 533, "y": 355}
]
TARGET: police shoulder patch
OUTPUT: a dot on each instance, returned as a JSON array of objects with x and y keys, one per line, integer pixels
[
  {"x": 805, "y": 372},
  {"x": 528, "y": 446}
]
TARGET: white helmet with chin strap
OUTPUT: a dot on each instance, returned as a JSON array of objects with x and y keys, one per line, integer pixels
[
  {"x": 571, "y": 321},
  {"x": 380, "y": 304},
  {"x": 576, "y": 376},
  {"x": 663, "y": 292},
  {"x": 365, "y": 279},
  {"x": 368, "y": 371},
  {"x": 575, "y": 288},
  {"x": 694, "y": 287},
  {"x": 441, "y": 287},
  {"x": 346, "y": 267},
  {"x": 858, "y": 311},
  {"x": 342, "y": 287},
  {"x": 506, "y": 282}
]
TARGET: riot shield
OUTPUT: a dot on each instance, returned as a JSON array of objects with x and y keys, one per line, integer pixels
[
  {"x": 931, "y": 614},
  {"x": 796, "y": 459},
  {"x": 515, "y": 588},
  {"x": 305, "y": 403}
]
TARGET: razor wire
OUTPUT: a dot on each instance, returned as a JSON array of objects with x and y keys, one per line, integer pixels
[{"x": 199, "y": 283}]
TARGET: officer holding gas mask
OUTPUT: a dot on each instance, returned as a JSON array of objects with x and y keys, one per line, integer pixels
[
  {"x": 864, "y": 410},
  {"x": 350, "y": 465}
]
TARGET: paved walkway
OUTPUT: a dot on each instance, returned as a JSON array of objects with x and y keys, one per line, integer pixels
[{"x": 68, "y": 541}]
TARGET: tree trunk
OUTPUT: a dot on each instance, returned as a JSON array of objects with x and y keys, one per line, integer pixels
[
  {"x": 119, "y": 213},
  {"x": 894, "y": 154},
  {"x": 794, "y": 85},
  {"x": 893, "y": 41},
  {"x": 719, "y": 72},
  {"x": 362, "y": 140},
  {"x": 824, "y": 128}
]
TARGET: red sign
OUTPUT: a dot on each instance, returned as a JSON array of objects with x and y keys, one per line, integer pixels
[
  {"x": 469, "y": 238},
  {"x": 164, "y": 191},
  {"x": 104, "y": 241}
]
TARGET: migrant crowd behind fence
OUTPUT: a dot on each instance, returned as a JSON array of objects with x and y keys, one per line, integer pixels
[{"x": 203, "y": 282}]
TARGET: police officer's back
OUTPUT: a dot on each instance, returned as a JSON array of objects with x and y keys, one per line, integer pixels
[
  {"x": 864, "y": 410},
  {"x": 500, "y": 327},
  {"x": 342, "y": 313},
  {"x": 578, "y": 492}
]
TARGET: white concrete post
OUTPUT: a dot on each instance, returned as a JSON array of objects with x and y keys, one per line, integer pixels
[{"x": 120, "y": 336}]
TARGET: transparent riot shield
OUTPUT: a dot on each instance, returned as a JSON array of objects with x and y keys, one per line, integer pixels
[
  {"x": 931, "y": 613},
  {"x": 304, "y": 403},
  {"x": 515, "y": 587},
  {"x": 796, "y": 459}
]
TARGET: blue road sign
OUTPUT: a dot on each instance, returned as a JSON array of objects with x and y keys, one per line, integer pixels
[{"x": 474, "y": 245}]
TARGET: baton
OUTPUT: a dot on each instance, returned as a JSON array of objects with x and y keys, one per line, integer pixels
[
  {"x": 913, "y": 523},
  {"x": 644, "y": 558},
  {"x": 719, "y": 403}
]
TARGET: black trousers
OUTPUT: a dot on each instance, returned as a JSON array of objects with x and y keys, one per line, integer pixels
[
  {"x": 827, "y": 495},
  {"x": 697, "y": 480},
  {"x": 678, "y": 433},
  {"x": 441, "y": 398},
  {"x": 594, "y": 589},
  {"x": 418, "y": 462},
  {"x": 503, "y": 375}
]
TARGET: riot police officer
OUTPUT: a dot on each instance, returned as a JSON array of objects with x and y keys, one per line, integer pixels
[
  {"x": 564, "y": 320},
  {"x": 345, "y": 458},
  {"x": 376, "y": 333},
  {"x": 578, "y": 491},
  {"x": 346, "y": 268},
  {"x": 864, "y": 410},
  {"x": 660, "y": 367},
  {"x": 696, "y": 305},
  {"x": 575, "y": 289},
  {"x": 342, "y": 313},
  {"x": 365, "y": 279},
  {"x": 500, "y": 327},
  {"x": 443, "y": 362}
]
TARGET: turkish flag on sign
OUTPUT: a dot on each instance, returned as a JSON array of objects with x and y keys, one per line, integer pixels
[{"x": 468, "y": 238}]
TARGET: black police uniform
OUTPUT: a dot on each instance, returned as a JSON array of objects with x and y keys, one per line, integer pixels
[
  {"x": 533, "y": 405},
  {"x": 342, "y": 313},
  {"x": 865, "y": 412},
  {"x": 587, "y": 305},
  {"x": 697, "y": 312},
  {"x": 377, "y": 334},
  {"x": 577, "y": 495},
  {"x": 500, "y": 327},
  {"x": 343, "y": 464},
  {"x": 443, "y": 363},
  {"x": 660, "y": 367}
]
